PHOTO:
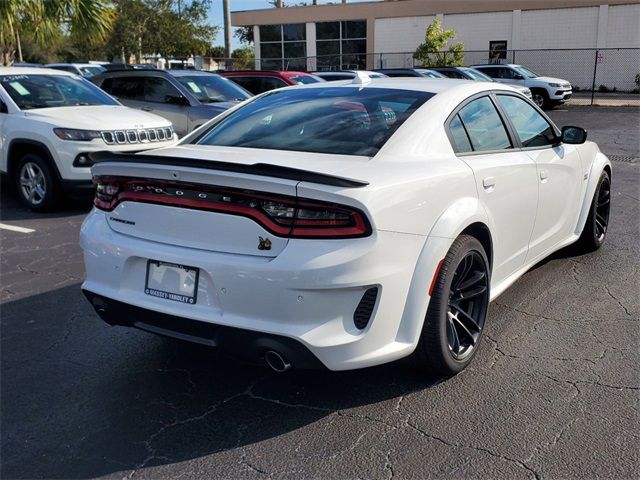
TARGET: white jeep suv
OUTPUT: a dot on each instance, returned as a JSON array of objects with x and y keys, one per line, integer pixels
[
  {"x": 51, "y": 120},
  {"x": 546, "y": 91}
]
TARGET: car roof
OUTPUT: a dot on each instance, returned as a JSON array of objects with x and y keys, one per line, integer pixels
[
  {"x": 184, "y": 73},
  {"x": 495, "y": 65},
  {"x": 33, "y": 71},
  {"x": 72, "y": 64},
  {"x": 284, "y": 73},
  {"x": 420, "y": 84}
]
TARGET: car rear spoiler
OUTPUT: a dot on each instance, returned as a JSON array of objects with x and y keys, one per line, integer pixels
[{"x": 262, "y": 169}]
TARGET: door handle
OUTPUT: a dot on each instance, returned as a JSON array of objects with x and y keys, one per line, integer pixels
[
  {"x": 488, "y": 183},
  {"x": 543, "y": 175},
  {"x": 147, "y": 109}
]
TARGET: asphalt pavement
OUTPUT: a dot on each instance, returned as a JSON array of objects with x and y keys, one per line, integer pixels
[{"x": 553, "y": 392}]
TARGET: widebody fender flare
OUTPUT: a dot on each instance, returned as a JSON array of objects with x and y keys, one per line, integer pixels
[
  {"x": 600, "y": 161},
  {"x": 453, "y": 221}
]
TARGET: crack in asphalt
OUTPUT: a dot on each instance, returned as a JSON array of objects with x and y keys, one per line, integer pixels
[
  {"x": 606, "y": 288},
  {"x": 519, "y": 463}
]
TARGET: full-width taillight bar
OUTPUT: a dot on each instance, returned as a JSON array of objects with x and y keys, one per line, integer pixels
[{"x": 282, "y": 215}]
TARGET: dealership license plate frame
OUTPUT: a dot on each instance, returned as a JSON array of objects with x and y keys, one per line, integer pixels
[{"x": 167, "y": 295}]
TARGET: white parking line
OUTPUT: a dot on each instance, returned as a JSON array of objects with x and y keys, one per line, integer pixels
[{"x": 4, "y": 226}]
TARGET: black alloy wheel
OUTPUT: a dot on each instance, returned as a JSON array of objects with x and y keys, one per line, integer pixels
[
  {"x": 597, "y": 223},
  {"x": 457, "y": 309},
  {"x": 468, "y": 301}
]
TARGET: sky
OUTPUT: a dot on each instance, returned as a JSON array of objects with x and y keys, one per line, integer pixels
[{"x": 216, "y": 15}]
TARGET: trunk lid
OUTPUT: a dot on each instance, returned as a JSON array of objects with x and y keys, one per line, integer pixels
[{"x": 187, "y": 176}]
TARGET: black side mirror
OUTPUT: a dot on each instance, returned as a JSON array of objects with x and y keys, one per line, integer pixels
[
  {"x": 573, "y": 135},
  {"x": 3, "y": 107},
  {"x": 176, "y": 100},
  {"x": 517, "y": 76}
]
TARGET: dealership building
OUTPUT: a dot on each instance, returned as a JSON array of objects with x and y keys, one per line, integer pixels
[{"x": 569, "y": 34}]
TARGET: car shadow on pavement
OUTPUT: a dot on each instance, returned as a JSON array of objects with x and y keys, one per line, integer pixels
[
  {"x": 12, "y": 209},
  {"x": 82, "y": 399}
]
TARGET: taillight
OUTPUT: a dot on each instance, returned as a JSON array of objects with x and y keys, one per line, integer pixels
[{"x": 282, "y": 215}]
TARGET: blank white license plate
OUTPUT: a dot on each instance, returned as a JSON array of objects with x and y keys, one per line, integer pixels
[{"x": 171, "y": 281}]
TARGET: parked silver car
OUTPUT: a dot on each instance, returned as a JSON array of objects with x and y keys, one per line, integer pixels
[{"x": 187, "y": 98}]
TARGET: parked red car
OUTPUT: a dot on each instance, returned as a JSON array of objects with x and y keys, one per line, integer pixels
[{"x": 258, "y": 81}]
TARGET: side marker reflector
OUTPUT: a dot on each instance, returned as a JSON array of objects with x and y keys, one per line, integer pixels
[{"x": 435, "y": 277}]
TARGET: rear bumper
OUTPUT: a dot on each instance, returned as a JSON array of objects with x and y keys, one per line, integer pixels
[
  {"x": 308, "y": 293},
  {"x": 244, "y": 344}
]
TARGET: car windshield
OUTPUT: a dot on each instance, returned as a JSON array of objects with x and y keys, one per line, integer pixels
[
  {"x": 213, "y": 88},
  {"x": 477, "y": 75},
  {"x": 93, "y": 70},
  {"x": 526, "y": 72},
  {"x": 304, "y": 79},
  {"x": 46, "y": 91},
  {"x": 335, "y": 120}
]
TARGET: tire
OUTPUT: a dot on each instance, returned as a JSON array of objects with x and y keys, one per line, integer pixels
[
  {"x": 437, "y": 350},
  {"x": 540, "y": 98},
  {"x": 36, "y": 183},
  {"x": 595, "y": 228}
]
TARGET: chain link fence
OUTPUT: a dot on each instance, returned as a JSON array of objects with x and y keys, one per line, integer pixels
[{"x": 595, "y": 74}]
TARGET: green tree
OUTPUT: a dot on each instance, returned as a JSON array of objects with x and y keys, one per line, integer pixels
[
  {"x": 47, "y": 21},
  {"x": 432, "y": 52},
  {"x": 216, "y": 52},
  {"x": 245, "y": 58},
  {"x": 170, "y": 28}
]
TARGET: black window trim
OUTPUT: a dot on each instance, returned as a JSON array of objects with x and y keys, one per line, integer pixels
[
  {"x": 515, "y": 142},
  {"x": 506, "y": 121},
  {"x": 496, "y": 93}
]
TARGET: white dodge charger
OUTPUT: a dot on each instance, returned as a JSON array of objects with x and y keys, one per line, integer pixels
[{"x": 343, "y": 225}]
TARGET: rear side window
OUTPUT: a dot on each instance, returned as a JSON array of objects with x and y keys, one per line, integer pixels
[
  {"x": 531, "y": 127},
  {"x": 459, "y": 136},
  {"x": 337, "y": 120},
  {"x": 157, "y": 90},
  {"x": 484, "y": 125},
  {"x": 271, "y": 83},
  {"x": 131, "y": 88},
  {"x": 493, "y": 72},
  {"x": 257, "y": 85}
]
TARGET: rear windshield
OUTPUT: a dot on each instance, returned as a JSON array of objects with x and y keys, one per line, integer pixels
[{"x": 337, "y": 120}]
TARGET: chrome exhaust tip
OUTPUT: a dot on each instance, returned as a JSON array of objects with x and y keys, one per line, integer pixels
[{"x": 276, "y": 361}]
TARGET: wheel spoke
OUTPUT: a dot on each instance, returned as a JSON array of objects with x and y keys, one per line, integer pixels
[
  {"x": 31, "y": 171},
  {"x": 462, "y": 275},
  {"x": 472, "y": 292},
  {"x": 25, "y": 182},
  {"x": 40, "y": 191},
  {"x": 453, "y": 335},
  {"x": 470, "y": 282},
  {"x": 468, "y": 323},
  {"x": 603, "y": 202}
]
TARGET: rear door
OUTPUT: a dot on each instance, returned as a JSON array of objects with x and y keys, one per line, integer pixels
[
  {"x": 506, "y": 179},
  {"x": 129, "y": 90},
  {"x": 164, "y": 99},
  {"x": 559, "y": 172}
]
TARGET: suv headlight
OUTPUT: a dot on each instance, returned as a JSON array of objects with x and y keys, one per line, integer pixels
[
  {"x": 556, "y": 85},
  {"x": 76, "y": 135}
]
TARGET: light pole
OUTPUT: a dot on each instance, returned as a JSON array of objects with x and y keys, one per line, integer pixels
[{"x": 227, "y": 29}]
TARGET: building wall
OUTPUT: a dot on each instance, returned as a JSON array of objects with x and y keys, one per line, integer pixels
[
  {"x": 623, "y": 26},
  {"x": 535, "y": 29},
  {"x": 562, "y": 28},
  {"x": 476, "y": 30}
]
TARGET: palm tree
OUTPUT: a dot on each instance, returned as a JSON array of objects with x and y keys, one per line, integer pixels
[{"x": 45, "y": 20}]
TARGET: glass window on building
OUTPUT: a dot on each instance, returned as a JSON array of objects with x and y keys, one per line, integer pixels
[
  {"x": 341, "y": 45},
  {"x": 283, "y": 47}
]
